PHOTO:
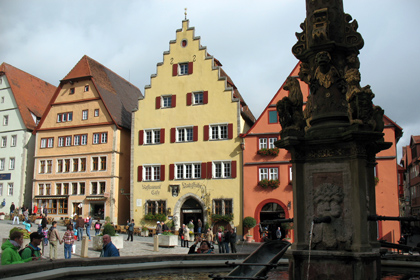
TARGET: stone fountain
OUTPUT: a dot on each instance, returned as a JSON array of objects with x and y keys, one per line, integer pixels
[{"x": 333, "y": 143}]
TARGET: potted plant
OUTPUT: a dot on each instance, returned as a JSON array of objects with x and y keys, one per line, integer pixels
[
  {"x": 2, "y": 215},
  {"x": 144, "y": 230},
  {"x": 249, "y": 223},
  {"x": 269, "y": 184},
  {"x": 168, "y": 239},
  {"x": 117, "y": 240}
]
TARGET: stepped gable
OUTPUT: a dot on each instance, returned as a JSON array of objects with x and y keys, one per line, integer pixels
[
  {"x": 120, "y": 96},
  {"x": 32, "y": 94}
]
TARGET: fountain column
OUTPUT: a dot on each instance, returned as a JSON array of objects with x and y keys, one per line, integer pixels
[{"x": 333, "y": 144}]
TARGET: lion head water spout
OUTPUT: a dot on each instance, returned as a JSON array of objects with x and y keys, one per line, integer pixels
[{"x": 333, "y": 144}]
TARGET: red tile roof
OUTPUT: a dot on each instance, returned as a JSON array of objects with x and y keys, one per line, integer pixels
[
  {"x": 120, "y": 96},
  {"x": 32, "y": 94}
]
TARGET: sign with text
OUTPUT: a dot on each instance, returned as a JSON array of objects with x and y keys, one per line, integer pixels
[{"x": 5, "y": 176}]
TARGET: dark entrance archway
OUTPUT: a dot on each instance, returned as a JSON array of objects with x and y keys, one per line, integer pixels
[
  {"x": 271, "y": 211},
  {"x": 191, "y": 210}
]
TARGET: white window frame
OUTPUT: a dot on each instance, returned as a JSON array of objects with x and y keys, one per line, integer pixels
[
  {"x": 68, "y": 141},
  {"x": 166, "y": 101},
  {"x": 13, "y": 141},
  {"x": 95, "y": 138},
  {"x": 96, "y": 113},
  {"x": 262, "y": 143},
  {"x": 86, "y": 88},
  {"x": 104, "y": 137},
  {"x": 218, "y": 131},
  {"x": 152, "y": 173},
  {"x": 43, "y": 143},
  {"x": 12, "y": 163},
  {"x": 76, "y": 140},
  {"x": 222, "y": 169},
  {"x": 198, "y": 98},
  {"x": 2, "y": 163},
  {"x": 50, "y": 142},
  {"x": 61, "y": 141},
  {"x": 1, "y": 189},
  {"x": 183, "y": 69},
  {"x": 185, "y": 134},
  {"x": 268, "y": 173},
  {"x": 151, "y": 136},
  {"x": 3, "y": 141},
  {"x": 271, "y": 142},
  {"x": 10, "y": 189},
  {"x": 48, "y": 167},
  {"x": 85, "y": 115},
  {"x": 83, "y": 139},
  {"x": 5, "y": 120},
  {"x": 188, "y": 170}
]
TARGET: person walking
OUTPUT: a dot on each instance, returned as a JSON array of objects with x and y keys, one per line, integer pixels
[
  {"x": 186, "y": 236},
  {"x": 26, "y": 215},
  {"x": 158, "y": 228},
  {"x": 16, "y": 215},
  {"x": 53, "y": 238},
  {"x": 220, "y": 236},
  {"x": 12, "y": 209},
  {"x": 232, "y": 241},
  {"x": 45, "y": 211},
  {"x": 88, "y": 224},
  {"x": 199, "y": 225},
  {"x": 97, "y": 227},
  {"x": 209, "y": 235},
  {"x": 226, "y": 240},
  {"x": 80, "y": 224},
  {"x": 278, "y": 233},
  {"x": 35, "y": 209},
  {"x": 181, "y": 235},
  {"x": 109, "y": 249},
  {"x": 130, "y": 229},
  {"x": 68, "y": 241}
]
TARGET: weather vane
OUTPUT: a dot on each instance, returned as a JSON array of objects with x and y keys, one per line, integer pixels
[{"x": 185, "y": 13}]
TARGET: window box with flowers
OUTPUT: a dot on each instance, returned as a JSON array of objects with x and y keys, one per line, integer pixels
[
  {"x": 156, "y": 217},
  {"x": 269, "y": 184},
  {"x": 215, "y": 218},
  {"x": 268, "y": 152}
]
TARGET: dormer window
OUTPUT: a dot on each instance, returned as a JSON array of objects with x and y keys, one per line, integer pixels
[
  {"x": 86, "y": 88},
  {"x": 72, "y": 91}
]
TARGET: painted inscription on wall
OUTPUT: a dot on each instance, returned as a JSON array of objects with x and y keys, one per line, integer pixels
[{"x": 154, "y": 190}]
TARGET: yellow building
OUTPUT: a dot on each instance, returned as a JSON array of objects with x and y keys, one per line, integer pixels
[
  {"x": 186, "y": 149},
  {"x": 82, "y": 155}
]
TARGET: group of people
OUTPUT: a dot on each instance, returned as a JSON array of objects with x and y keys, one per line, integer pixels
[{"x": 225, "y": 238}]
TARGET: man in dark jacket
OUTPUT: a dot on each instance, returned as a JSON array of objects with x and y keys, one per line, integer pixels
[
  {"x": 109, "y": 249},
  {"x": 232, "y": 240},
  {"x": 226, "y": 241},
  {"x": 12, "y": 209},
  {"x": 80, "y": 224}
]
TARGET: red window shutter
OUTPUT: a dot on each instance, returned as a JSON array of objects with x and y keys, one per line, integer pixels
[
  {"x": 195, "y": 133},
  {"x": 206, "y": 133},
  {"x": 162, "y": 135},
  {"x": 162, "y": 172},
  {"x": 203, "y": 170},
  {"x": 209, "y": 170},
  {"x": 230, "y": 130},
  {"x": 173, "y": 101},
  {"x": 139, "y": 173},
  {"x": 171, "y": 171},
  {"x": 175, "y": 70},
  {"x": 233, "y": 169},
  {"x": 205, "y": 97},
  {"x": 141, "y": 137},
  {"x": 189, "y": 99},
  {"x": 157, "y": 102},
  {"x": 173, "y": 135},
  {"x": 190, "y": 68}
]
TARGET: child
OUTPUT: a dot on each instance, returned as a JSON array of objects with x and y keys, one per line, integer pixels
[
  {"x": 45, "y": 232},
  {"x": 27, "y": 226},
  {"x": 75, "y": 234},
  {"x": 97, "y": 227}
]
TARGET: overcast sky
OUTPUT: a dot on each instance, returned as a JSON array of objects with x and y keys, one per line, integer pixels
[{"x": 252, "y": 39}]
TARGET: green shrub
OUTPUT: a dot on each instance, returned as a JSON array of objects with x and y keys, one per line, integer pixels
[
  {"x": 167, "y": 233},
  {"x": 249, "y": 222},
  {"x": 222, "y": 218},
  {"x": 109, "y": 229},
  {"x": 107, "y": 219}
]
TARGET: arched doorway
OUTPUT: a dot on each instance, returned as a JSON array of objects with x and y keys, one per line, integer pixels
[
  {"x": 271, "y": 211},
  {"x": 191, "y": 209}
]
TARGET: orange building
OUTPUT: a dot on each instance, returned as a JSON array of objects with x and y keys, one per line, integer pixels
[{"x": 268, "y": 191}]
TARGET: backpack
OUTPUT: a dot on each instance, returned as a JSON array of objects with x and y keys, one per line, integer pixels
[
  {"x": 49, "y": 232},
  {"x": 27, "y": 246},
  {"x": 97, "y": 226}
]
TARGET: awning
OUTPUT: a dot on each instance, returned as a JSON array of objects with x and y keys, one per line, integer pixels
[
  {"x": 50, "y": 197},
  {"x": 96, "y": 197}
]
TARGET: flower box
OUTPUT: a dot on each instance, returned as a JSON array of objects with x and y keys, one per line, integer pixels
[
  {"x": 144, "y": 233},
  {"x": 168, "y": 240},
  {"x": 268, "y": 152}
]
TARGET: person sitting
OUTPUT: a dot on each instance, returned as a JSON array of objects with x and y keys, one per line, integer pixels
[
  {"x": 205, "y": 247},
  {"x": 10, "y": 254},
  {"x": 109, "y": 249},
  {"x": 32, "y": 249}
]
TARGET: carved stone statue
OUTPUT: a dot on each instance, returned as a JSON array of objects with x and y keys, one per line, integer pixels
[
  {"x": 328, "y": 202},
  {"x": 289, "y": 109}
]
